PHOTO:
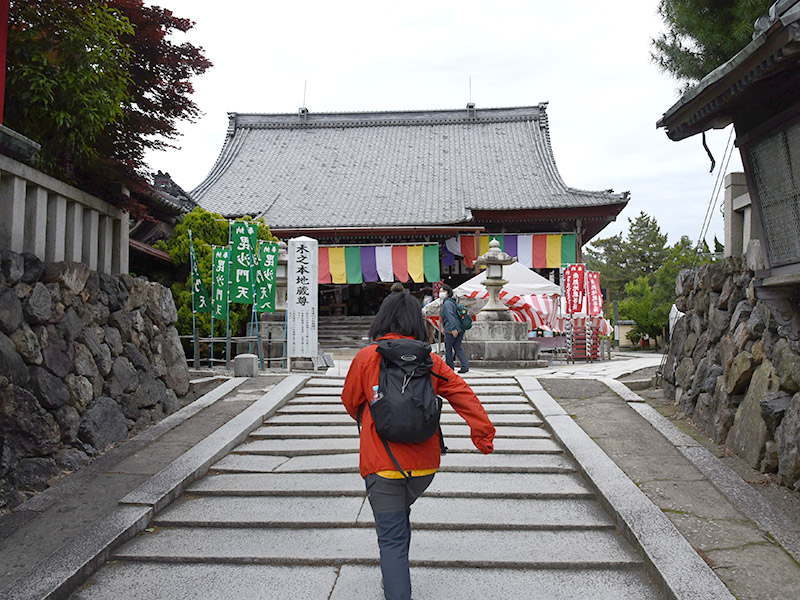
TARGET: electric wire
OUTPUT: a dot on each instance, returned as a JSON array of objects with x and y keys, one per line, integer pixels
[{"x": 726, "y": 156}]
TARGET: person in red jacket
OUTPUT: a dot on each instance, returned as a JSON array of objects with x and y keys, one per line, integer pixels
[{"x": 390, "y": 492}]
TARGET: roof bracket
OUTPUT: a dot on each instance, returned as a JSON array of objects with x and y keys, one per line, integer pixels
[{"x": 471, "y": 113}]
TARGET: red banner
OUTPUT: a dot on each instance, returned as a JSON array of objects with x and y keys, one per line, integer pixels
[
  {"x": 593, "y": 295},
  {"x": 574, "y": 287}
]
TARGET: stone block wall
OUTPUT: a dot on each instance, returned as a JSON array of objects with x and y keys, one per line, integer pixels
[
  {"x": 732, "y": 370},
  {"x": 86, "y": 359}
]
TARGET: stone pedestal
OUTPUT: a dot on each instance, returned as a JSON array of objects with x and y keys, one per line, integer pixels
[
  {"x": 245, "y": 365},
  {"x": 501, "y": 344}
]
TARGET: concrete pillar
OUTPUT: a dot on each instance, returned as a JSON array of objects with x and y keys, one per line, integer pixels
[
  {"x": 735, "y": 186},
  {"x": 74, "y": 232},
  {"x": 119, "y": 262},
  {"x": 56, "y": 228},
  {"x": 36, "y": 220},
  {"x": 12, "y": 205},
  {"x": 105, "y": 244},
  {"x": 91, "y": 223}
]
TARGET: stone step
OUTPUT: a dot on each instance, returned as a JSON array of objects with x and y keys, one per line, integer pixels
[
  {"x": 351, "y": 431},
  {"x": 428, "y": 513},
  {"x": 301, "y": 408},
  {"x": 478, "y": 380},
  {"x": 336, "y": 399},
  {"x": 334, "y": 546},
  {"x": 523, "y": 420},
  {"x": 148, "y": 580},
  {"x": 348, "y": 463},
  {"x": 325, "y": 382},
  {"x": 460, "y": 485},
  {"x": 488, "y": 390},
  {"x": 363, "y": 582},
  {"x": 298, "y": 447}
]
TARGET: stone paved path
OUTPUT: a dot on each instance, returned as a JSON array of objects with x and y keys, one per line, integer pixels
[{"x": 285, "y": 515}]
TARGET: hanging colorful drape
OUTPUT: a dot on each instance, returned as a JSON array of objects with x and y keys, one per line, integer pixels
[
  {"x": 357, "y": 264},
  {"x": 534, "y": 250}
]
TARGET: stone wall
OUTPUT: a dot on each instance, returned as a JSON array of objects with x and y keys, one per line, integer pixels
[
  {"x": 86, "y": 359},
  {"x": 732, "y": 370}
]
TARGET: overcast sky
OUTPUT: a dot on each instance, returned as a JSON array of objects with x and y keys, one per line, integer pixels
[{"x": 589, "y": 60}]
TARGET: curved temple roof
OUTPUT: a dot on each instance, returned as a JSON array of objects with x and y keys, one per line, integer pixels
[{"x": 389, "y": 168}]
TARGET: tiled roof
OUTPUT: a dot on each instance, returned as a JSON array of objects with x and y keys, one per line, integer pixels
[{"x": 388, "y": 169}]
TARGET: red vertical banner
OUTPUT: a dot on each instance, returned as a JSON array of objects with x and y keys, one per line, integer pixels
[
  {"x": 400, "y": 262},
  {"x": 593, "y": 295},
  {"x": 467, "y": 243},
  {"x": 539, "y": 251},
  {"x": 574, "y": 276}
]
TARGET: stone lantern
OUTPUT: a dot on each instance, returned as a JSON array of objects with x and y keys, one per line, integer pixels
[
  {"x": 496, "y": 338},
  {"x": 494, "y": 261}
]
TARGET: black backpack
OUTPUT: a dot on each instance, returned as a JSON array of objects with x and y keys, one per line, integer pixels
[{"x": 407, "y": 410}]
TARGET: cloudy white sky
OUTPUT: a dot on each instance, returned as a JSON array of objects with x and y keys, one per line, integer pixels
[{"x": 589, "y": 60}]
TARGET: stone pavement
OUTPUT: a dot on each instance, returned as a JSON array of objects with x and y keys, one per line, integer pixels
[
  {"x": 283, "y": 512},
  {"x": 291, "y": 496},
  {"x": 749, "y": 544},
  {"x": 64, "y": 512}
]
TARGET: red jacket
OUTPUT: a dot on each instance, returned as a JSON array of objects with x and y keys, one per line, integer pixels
[{"x": 363, "y": 375}]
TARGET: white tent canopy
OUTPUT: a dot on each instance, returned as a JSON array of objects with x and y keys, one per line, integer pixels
[{"x": 521, "y": 282}]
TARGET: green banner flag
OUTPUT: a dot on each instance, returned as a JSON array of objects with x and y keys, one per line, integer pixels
[
  {"x": 430, "y": 261},
  {"x": 243, "y": 247},
  {"x": 220, "y": 283},
  {"x": 201, "y": 303},
  {"x": 265, "y": 277},
  {"x": 352, "y": 261}
]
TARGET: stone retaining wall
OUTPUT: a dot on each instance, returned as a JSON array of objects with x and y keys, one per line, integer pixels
[
  {"x": 86, "y": 359},
  {"x": 732, "y": 370}
]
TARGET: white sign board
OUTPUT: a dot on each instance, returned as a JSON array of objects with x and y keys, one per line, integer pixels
[{"x": 302, "y": 302}]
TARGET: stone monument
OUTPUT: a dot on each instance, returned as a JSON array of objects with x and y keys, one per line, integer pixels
[{"x": 496, "y": 339}]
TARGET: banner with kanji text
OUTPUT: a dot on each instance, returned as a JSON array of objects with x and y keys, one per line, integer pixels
[
  {"x": 574, "y": 287},
  {"x": 265, "y": 276},
  {"x": 594, "y": 297},
  {"x": 200, "y": 300},
  {"x": 243, "y": 247},
  {"x": 220, "y": 282}
]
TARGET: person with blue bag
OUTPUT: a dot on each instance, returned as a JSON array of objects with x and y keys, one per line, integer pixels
[{"x": 453, "y": 329}]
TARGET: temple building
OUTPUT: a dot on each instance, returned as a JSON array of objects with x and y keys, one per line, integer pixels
[{"x": 450, "y": 179}]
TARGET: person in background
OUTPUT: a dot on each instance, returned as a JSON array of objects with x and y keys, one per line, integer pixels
[
  {"x": 453, "y": 334},
  {"x": 390, "y": 494}
]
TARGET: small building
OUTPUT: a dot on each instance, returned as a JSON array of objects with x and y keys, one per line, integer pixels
[
  {"x": 757, "y": 91},
  {"x": 415, "y": 177}
]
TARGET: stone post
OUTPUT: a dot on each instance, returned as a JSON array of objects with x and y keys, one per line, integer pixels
[
  {"x": 12, "y": 201},
  {"x": 735, "y": 187},
  {"x": 56, "y": 228},
  {"x": 36, "y": 220},
  {"x": 74, "y": 232}
]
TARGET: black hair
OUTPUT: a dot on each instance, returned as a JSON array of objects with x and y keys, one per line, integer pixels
[
  {"x": 397, "y": 287},
  {"x": 448, "y": 289},
  {"x": 399, "y": 313}
]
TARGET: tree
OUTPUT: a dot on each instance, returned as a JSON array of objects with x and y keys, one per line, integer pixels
[
  {"x": 67, "y": 77},
  {"x": 96, "y": 107},
  {"x": 703, "y": 34},
  {"x": 622, "y": 259},
  {"x": 680, "y": 256},
  {"x": 640, "y": 305},
  {"x": 208, "y": 229}
]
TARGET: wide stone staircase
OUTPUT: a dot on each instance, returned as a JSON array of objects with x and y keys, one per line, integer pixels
[
  {"x": 285, "y": 516},
  {"x": 337, "y": 332}
]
